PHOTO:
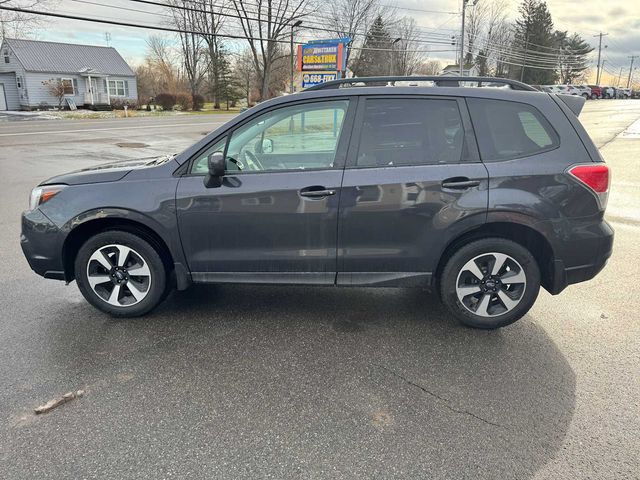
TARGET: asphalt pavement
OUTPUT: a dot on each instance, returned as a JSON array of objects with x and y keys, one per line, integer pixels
[{"x": 312, "y": 383}]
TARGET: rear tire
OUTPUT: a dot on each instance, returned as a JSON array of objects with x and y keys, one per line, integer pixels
[
  {"x": 120, "y": 274},
  {"x": 490, "y": 283},
  {"x": 594, "y": 96}
]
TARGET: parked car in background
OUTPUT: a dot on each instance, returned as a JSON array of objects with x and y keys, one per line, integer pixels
[
  {"x": 596, "y": 91},
  {"x": 625, "y": 92},
  {"x": 608, "y": 92},
  {"x": 549, "y": 88},
  {"x": 567, "y": 89},
  {"x": 583, "y": 90}
]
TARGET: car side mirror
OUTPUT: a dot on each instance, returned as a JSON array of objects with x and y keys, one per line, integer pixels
[
  {"x": 217, "y": 167},
  {"x": 217, "y": 164}
]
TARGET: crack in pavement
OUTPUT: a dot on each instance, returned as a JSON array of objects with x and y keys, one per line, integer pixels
[{"x": 438, "y": 397}]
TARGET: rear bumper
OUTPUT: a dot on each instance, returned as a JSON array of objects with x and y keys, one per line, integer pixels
[
  {"x": 40, "y": 242},
  {"x": 598, "y": 248}
]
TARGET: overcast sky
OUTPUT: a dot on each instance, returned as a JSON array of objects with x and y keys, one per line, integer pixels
[{"x": 620, "y": 19}]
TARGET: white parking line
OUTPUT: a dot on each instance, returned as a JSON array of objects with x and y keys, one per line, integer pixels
[{"x": 110, "y": 129}]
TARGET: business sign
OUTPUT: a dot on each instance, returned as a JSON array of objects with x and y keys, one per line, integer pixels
[
  {"x": 312, "y": 79},
  {"x": 323, "y": 55}
]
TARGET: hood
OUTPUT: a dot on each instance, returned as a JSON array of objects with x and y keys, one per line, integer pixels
[{"x": 107, "y": 172}]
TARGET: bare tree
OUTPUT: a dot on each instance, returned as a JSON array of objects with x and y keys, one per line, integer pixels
[
  {"x": 267, "y": 23},
  {"x": 160, "y": 62},
  {"x": 489, "y": 34},
  {"x": 210, "y": 21},
  {"x": 503, "y": 36},
  {"x": 244, "y": 73},
  {"x": 408, "y": 55},
  {"x": 18, "y": 24},
  {"x": 185, "y": 18},
  {"x": 430, "y": 67},
  {"x": 56, "y": 88},
  {"x": 352, "y": 18}
]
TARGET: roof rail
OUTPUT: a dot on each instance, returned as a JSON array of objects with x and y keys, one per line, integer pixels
[{"x": 441, "y": 81}]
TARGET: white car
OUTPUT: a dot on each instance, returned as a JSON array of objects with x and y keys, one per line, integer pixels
[
  {"x": 608, "y": 92},
  {"x": 625, "y": 92},
  {"x": 583, "y": 90},
  {"x": 567, "y": 90},
  {"x": 549, "y": 88}
]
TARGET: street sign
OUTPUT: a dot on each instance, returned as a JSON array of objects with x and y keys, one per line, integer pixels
[
  {"x": 323, "y": 55},
  {"x": 316, "y": 78}
]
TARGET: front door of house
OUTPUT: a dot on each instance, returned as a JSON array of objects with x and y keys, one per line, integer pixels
[{"x": 94, "y": 89}]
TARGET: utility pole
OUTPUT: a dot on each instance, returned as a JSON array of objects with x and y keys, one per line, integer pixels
[
  {"x": 393, "y": 56},
  {"x": 294, "y": 25},
  {"x": 599, "y": 53},
  {"x": 524, "y": 58},
  {"x": 632, "y": 57},
  {"x": 619, "y": 77},
  {"x": 464, "y": 16}
]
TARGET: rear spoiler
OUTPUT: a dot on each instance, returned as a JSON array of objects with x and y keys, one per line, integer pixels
[{"x": 574, "y": 102}]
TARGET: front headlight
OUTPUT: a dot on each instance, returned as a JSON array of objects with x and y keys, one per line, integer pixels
[{"x": 40, "y": 195}]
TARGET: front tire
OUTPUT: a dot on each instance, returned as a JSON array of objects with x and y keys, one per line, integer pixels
[
  {"x": 120, "y": 274},
  {"x": 490, "y": 283}
]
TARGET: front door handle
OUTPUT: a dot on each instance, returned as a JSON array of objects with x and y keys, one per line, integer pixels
[
  {"x": 460, "y": 183},
  {"x": 316, "y": 192}
]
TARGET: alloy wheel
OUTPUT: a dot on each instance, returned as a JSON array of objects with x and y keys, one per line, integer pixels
[
  {"x": 118, "y": 275},
  {"x": 491, "y": 284}
]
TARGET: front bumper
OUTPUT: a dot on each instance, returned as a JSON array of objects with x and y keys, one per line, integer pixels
[
  {"x": 597, "y": 247},
  {"x": 40, "y": 242}
]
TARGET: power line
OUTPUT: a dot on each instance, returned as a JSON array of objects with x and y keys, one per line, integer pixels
[{"x": 160, "y": 28}]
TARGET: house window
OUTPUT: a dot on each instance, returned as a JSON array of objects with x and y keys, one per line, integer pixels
[
  {"x": 6, "y": 56},
  {"x": 119, "y": 88},
  {"x": 67, "y": 83}
]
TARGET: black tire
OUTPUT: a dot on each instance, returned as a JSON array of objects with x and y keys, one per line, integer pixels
[
  {"x": 157, "y": 288},
  {"x": 594, "y": 96},
  {"x": 452, "y": 270},
  {"x": 586, "y": 96}
]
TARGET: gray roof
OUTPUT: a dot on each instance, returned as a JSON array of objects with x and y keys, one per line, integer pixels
[{"x": 36, "y": 56}]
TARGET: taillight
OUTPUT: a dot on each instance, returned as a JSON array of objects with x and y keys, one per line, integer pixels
[{"x": 596, "y": 177}]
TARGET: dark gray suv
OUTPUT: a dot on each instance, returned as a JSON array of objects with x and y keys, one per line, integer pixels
[{"x": 481, "y": 194}]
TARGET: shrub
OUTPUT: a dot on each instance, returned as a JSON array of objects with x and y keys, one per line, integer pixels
[
  {"x": 120, "y": 103},
  {"x": 198, "y": 102},
  {"x": 166, "y": 100},
  {"x": 183, "y": 100}
]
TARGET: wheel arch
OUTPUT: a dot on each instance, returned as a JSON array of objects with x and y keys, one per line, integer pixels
[
  {"x": 90, "y": 227},
  {"x": 525, "y": 235}
]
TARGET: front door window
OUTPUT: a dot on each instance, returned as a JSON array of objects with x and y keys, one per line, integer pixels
[{"x": 299, "y": 137}]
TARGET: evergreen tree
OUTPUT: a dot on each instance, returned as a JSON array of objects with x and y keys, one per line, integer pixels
[
  {"x": 572, "y": 60},
  {"x": 534, "y": 39},
  {"x": 375, "y": 57}
]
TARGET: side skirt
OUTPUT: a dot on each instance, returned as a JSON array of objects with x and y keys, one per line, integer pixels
[{"x": 346, "y": 279}]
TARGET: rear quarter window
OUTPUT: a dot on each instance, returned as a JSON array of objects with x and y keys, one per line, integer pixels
[{"x": 507, "y": 130}]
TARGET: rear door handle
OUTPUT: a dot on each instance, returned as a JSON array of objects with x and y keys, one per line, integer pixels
[
  {"x": 460, "y": 183},
  {"x": 316, "y": 192}
]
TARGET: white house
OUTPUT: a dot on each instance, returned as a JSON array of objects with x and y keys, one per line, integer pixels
[
  {"x": 468, "y": 70},
  {"x": 92, "y": 76}
]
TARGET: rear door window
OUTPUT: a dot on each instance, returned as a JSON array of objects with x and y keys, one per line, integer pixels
[
  {"x": 507, "y": 130},
  {"x": 410, "y": 131}
]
